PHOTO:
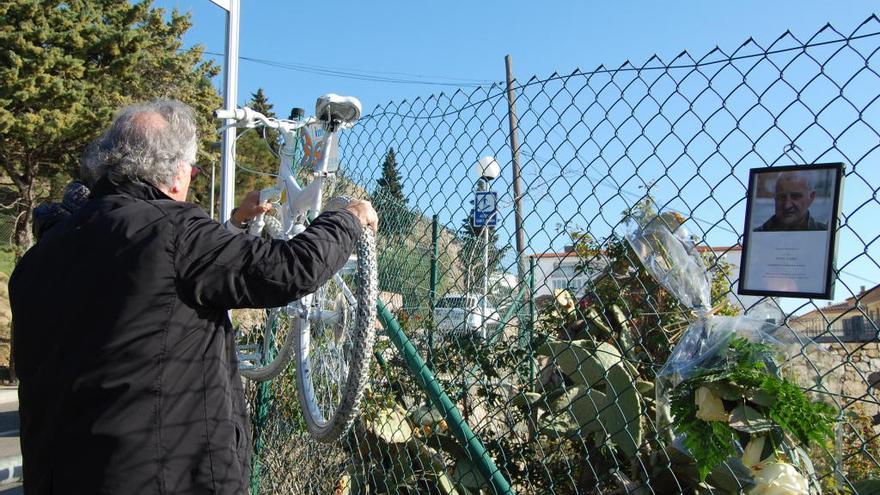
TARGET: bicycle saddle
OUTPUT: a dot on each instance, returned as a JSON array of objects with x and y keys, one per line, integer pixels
[{"x": 334, "y": 108}]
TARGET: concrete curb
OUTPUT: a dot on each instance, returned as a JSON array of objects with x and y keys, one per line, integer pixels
[
  {"x": 8, "y": 394},
  {"x": 11, "y": 470}
]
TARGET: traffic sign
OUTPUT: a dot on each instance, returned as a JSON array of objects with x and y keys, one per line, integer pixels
[{"x": 485, "y": 209}]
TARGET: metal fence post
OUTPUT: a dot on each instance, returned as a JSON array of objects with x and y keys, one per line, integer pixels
[
  {"x": 531, "y": 325},
  {"x": 260, "y": 415},
  {"x": 426, "y": 380},
  {"x": 435, "y": 254}
]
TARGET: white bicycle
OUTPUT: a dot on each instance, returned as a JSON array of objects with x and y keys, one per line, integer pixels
[{"x": 333, "y": 329}]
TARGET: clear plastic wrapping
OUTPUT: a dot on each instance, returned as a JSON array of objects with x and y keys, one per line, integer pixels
[{"x": 730, "y": 417}]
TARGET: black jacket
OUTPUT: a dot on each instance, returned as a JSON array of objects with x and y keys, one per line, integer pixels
[
  {"x": 126, "y": 358},
  {"x": 808, "y": 223}
]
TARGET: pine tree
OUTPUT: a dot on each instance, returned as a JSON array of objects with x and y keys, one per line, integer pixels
[
  {"x": 395, "y": 217},
  {"x": 389, "y": 183},
  {"x": 257, "y": 150},
  {"x": 67, "y": 66},
  {"x": 260, "y": 103}
]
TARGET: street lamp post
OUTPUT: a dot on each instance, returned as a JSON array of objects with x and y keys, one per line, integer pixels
[
  {"x": 487, "y": 170},
  {"x": 230, "y": 94}
]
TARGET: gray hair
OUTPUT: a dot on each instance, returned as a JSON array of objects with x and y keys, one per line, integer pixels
[
  {"x": 807, "y": 176},
  {"x": 145, "y": 142}
]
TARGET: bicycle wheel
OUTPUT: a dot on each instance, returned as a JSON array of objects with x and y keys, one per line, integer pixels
[
  {"x": 335, "y": 343},
  {"x": 265, "y": 340}
]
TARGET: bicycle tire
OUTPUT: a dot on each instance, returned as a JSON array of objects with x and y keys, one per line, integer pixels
[
  {"x": 350, "y": 391},
  {"x": 264, "y": 369},
  {"x": 268, "y": 361}
]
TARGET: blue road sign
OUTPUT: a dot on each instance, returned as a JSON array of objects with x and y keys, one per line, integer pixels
[{"x": 485, "y": 209}]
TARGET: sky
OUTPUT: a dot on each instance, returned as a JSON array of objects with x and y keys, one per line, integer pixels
[
  {"x": 456, "y": 42},
  {"x": 391, "y": 51}
]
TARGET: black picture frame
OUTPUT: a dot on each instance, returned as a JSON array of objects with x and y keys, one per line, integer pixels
[{"x": 749, "y": 287}]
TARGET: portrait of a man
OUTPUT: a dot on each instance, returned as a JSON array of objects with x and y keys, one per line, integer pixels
[
  {"x": 794, "y": 194},
  {"x": 790, "y": 231}
]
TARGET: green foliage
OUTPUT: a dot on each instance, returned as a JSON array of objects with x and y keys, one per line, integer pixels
[
  {"x": 7, "y": 260},
  {"x": 260, "y": 103},
  {"x": 472, "y": 243},
  {"x": 709, "y": 442},
  {"x": 859, "y": 451},
  {"x": 808, "y": 421},
  {"x": 67, "y": 66},
  {"x": 389, "y": 183},
  {"x": 747, "y": 373},
  {"x": 254, "y": 162},
  {"x": 395, "y": 217}
]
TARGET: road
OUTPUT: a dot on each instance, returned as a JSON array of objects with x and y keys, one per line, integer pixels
[{"x": 9, "y": 428}]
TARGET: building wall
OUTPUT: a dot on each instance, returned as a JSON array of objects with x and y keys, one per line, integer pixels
[
  {"x": 555, "y": 273},
  {"x": 548, "y": 276},
  {"x": 844, "y": 320},
  {"x": 841, "y": 369}
]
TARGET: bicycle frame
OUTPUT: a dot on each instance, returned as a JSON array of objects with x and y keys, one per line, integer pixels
[
  {"x": 332, "y": 330},
  {"x": 301, "y": 202}
]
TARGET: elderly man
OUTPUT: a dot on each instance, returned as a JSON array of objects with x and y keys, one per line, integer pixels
[
  {"x": 129, "y": 380},
  {"x": 794, "y": 195}
]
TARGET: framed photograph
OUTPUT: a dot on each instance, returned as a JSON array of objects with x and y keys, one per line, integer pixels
[{"x": 790, "y": 233}]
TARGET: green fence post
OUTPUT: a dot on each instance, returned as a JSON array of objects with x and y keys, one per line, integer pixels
[
  {"x": 261, "y": 413},
  {"x": 531, "y": 328},
  {"x": 435, "y": 254},
  {"x": 426, "y": 380}
]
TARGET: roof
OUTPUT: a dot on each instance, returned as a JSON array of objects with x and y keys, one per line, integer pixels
[
  {"x": 553, "y": 255},
  {"x": 864, "y": 297},
  {"x": 719, "y": 249}
]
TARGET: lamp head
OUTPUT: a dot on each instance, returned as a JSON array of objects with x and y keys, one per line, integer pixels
[{"x": 487, "y": 168}]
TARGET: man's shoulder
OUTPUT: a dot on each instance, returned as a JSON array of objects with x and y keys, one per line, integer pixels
[
  {"x": 813, "y": 224},
  {"x": 768, "y": 226},
  {"x": 178, "y": 209}
]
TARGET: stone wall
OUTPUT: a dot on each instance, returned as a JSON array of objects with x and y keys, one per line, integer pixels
[{"x": 846, "y": 370}]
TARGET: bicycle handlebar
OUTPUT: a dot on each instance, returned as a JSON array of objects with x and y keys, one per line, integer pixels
[
  {"x": 237, "y": 114},
  {"x": 248, "y": 117}
]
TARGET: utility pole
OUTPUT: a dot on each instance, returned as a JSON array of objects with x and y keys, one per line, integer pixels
[
  {"x": 230, "y": 95},
  {"x": 517, "y": 178}
]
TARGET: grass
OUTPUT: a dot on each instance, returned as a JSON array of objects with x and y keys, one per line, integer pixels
[{"x": 7, "y": 260}]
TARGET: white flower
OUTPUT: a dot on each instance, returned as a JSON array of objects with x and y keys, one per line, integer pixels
[
  {"x": 709, "y": 406},
  {"x": 752, "y": 453},
  {"x": 779, "y": 478},
  {"x": 564, "y": 300}
]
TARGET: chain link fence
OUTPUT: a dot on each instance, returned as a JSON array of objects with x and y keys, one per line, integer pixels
[{"x": 576, "y": 317}]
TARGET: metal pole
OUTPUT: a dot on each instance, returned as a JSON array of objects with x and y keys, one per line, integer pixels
[
  {"x": 485, "y": 279},
  {"x": 517, "y": 179},
  {"x": 230, "y": 95},
  {"x": 459, "y": 427},
  {"x": 435, "y": 255},
  {"x": 213, "y": 186},
  {"x": 483, "y": 331},
  {"x": 531, "y": 296}
]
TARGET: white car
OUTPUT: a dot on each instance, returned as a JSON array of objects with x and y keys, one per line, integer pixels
[{"x": 463, "y": 314}]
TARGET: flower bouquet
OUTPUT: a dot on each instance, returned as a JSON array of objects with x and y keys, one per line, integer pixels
[{"x": 721, "y": 393}]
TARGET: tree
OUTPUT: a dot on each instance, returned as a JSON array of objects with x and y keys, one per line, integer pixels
[
  {"x": 67, "y": 66},
  {"x": 395, "y": 217},
  {"x": 255, "y": 156},
  {"x": 260, "y": 103}
]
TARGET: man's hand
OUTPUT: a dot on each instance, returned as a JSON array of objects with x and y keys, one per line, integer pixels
[
  {"x": 364, "y": 212},
  {"x": 249, "y": 208}
]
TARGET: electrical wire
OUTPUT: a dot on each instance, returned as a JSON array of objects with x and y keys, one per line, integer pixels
[{"x": 363, "y": 75}]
